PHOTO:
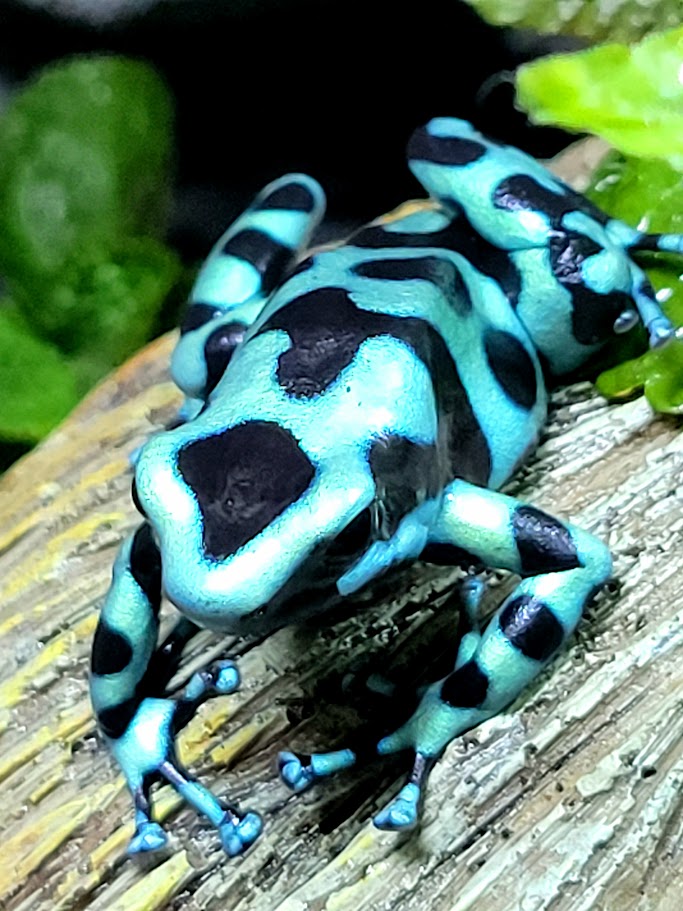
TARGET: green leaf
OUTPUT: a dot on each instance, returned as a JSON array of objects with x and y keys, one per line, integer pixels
[
  {"x": 85, "y": 153},
  {"x": 112, "y": 303},
  {"x": 38, "y": 387},
  {"x": 599, "y": 20},
  {"x": 648, "y": 194},
  {"x": 633, "y": 97}
]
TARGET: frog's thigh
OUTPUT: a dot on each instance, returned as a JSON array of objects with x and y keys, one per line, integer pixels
[{"x": 563, "y": 567}]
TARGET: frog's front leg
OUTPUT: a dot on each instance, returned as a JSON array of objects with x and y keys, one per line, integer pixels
[
  {"x": 128, "y": 676},
  {"x": 563, "y": 567}
]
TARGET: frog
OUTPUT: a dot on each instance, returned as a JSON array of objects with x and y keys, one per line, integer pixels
[{"x": 349, "y": 411}]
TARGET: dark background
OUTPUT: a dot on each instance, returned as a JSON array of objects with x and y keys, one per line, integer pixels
[{"x": 261, "y": 88}]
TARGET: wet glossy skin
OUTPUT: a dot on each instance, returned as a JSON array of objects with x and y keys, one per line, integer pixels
[{"x": 355, "y": 411}]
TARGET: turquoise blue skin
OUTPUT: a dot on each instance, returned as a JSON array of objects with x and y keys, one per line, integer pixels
[{"x": 354, "y": 413}]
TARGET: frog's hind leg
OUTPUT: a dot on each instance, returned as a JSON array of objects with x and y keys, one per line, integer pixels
[
  {"x": 576, "y": 281},
  {"x": 247, "y": 262},
  {"x": 563, "y": 567},
  {"x": 128, "y": 678}
]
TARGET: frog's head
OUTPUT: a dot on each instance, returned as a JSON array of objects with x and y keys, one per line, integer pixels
[{"x": 247, "y": 520}]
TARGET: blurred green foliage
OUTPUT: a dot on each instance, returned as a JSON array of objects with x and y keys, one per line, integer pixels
[
  {"x": 86, "y": 156},
  {"x": 596, "y": 20}
]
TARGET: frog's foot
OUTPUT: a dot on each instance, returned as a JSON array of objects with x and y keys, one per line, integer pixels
[
  {"x": 403, "y": 813},
  {"x": 149, "y": 836},
  {"x": 659, "y": 328},
  {"x": 146, "y": 753},
  {"x": 300, "y": 770}
]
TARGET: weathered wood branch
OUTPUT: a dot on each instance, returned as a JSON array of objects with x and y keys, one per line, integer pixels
[{"x": 569, "y": 800}]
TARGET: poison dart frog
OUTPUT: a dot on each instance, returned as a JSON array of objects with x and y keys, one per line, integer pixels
[{"x": 349, "y": 411}]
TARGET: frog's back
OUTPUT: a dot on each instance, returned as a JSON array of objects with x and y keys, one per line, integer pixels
[{"x": 417, "y": 278}]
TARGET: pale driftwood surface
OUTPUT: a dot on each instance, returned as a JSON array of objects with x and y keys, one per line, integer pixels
[{"x": 570, "y": 800}]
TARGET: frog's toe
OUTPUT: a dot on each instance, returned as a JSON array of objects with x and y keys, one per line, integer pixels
[
  {"x": 148, "y": 837},
  {"x": 219, "y": 679},
  {"x": 227, "y": 677},
  {"x": 660, "y": 332},
  {"x": 299, "y": 771},
  {"x": 296, "y": 773},
  {"x": 239, "y": 831},
  {"x": 402, "y": 814}
]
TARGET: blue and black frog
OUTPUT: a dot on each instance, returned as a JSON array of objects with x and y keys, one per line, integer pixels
[{"x": 354, "y": 409}]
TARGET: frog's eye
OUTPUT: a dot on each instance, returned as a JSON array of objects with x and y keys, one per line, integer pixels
[
  {"x": 243, "y": 478},
  {"x": 355, "y": 537}
]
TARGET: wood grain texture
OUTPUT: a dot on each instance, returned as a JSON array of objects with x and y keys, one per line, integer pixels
[{"x": 569, "y": 800}]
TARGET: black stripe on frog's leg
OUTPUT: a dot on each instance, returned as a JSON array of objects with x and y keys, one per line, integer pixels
[
  {"x": 449, "y": 150},
  {"x": 111, "y": 651},
  {"x": 543, "y": 542},
  {"x": 327, "y": 328},
  {"x": 269, "y": 257},
  {"x": 145, "y": 565},
  {"x": 522, "y": 192},
  {"x": 532, "y": 627},
  {"x": 512, "y": 366},
  {"x": 439, "y": 271},
  {"x": 292, "y": 195},
  {"x": 243, "y": 478},
  {"x": 197, "y": 315},
  {"x": 219, "y": 349}
]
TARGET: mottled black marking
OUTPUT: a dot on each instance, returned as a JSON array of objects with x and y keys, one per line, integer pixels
[
  {"x": 406, "y": 474},
  {"x": 219, "y": 349},
  {"x": 459, "y": 236},
  {"x": 268, "y": 256},
  {"x": 327, "y": 328},
  {"x": 593, "y": 313},
  {"x": 145, "y": 565},
  {"x": 111, "y": 652},
  {"x": 512, "y": 366},
  {"x": 197, "y": 315},
  {"x": 290, "y": 196},
  {"x": 531, "y": 627},
  {"x": 114, "y": 720},
  {"x": 437, "y": 270},
  {"x": 465, "y": 688},
  {"x": 243, "y": 478},
  {"x": 544, "y": 543},
  {"x": 648, "y": 243},
  {"x": 522, "y": 192},
  {"x": 448, "y": 150}
]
